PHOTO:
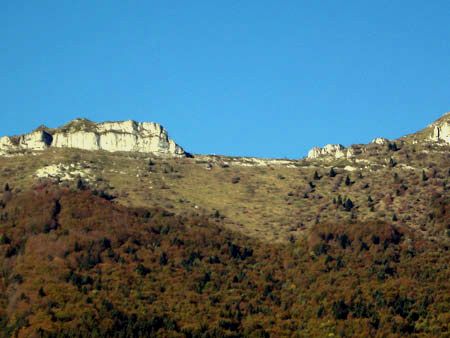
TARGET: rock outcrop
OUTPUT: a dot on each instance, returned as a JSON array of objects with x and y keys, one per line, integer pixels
[
  {"x": 36, "y": 140},
  {"x": 126, "y": 136},
  {"x": 441, "y": 130},
  {"x": 437, "y": 133},
  {"x": 65, "y": 172},
  {"x": 380, "y": 141},
  {"x": 335, "y": 151}
]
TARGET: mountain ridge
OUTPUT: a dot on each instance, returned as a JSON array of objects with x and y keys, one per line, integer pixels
[
  {"x": 151, "y": 137},
  {"x": 134, "y": 244},
  {"x": 131, "y": 136},
  {"x": 437, "y": 132}
]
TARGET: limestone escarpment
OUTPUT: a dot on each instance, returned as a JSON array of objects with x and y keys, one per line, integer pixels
[
  {"x": 336, "y": 151},
  {"x": 441, "y": 130},
  {"x": 380, "y": 141},
  {"x": 437, "y": 133},
  {"x": 126, "y": 136},
  {"x": 36, "y": 140}
]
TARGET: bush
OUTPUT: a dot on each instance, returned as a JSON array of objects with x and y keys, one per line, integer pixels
[
  {"x": 142, "y": 270},
  {"x": 163, "y": 259},
  {"x": 4, "y": 239},
  {"x": 340, "y": 310},
  {"x": 344, "y": 241},
  {"x": 321, "y": 249}
]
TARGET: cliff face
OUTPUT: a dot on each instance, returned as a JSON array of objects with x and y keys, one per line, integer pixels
[
  {"x": 334, "y": 150},
  {"x": 37, "y": 140},
  {"x": 441, "y": 129},
  {"x": 437, "y": 133},
  {"x": 128, "y": 136}
]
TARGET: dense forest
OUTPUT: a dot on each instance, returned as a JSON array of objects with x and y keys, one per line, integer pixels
[{"x": 75, "y": 264}]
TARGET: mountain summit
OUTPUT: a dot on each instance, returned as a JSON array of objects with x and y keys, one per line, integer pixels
[{"x": 129, "y": 136}]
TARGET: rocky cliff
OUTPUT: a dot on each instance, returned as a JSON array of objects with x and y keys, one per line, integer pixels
[
  {"x": 441, "y": 129},
  {"x": 436, "y": 133},
  {"x": 127, "y": 136}
]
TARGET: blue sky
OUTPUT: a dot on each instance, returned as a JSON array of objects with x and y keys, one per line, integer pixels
[{"x": 260, "y": 78}]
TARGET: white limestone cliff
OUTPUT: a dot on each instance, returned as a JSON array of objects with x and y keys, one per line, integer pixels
[
  {"x": 6, "y": 143},
  {"x": 438, "y": 132},
  {"x": 380, "y": 141},
  {"x": 126, "y": 136},
  {"x": 441, "y": 131},
  {"x": 36, "y": 140},
  {"x": 333, "y": 150}
]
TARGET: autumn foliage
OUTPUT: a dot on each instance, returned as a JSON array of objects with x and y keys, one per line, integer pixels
[{"x": 75, "y": 264}]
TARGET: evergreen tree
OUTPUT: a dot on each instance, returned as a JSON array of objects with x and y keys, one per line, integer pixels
[
  {"x": 348, "y": 205},
  {"x": 316, "y": 176},
  {"x": 348, "y": 181},
  {"x": 424, "y": 176},
  {"x": 392, "y": 146},
  {"x": 80, "y": 184},
  {"x": 41, "y": 292},
  {"x": 163, "y": 259},
  {"x": 332, "y": 172}
]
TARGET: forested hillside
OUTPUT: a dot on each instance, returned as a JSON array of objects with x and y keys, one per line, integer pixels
[{"x": 74, "y": 263}]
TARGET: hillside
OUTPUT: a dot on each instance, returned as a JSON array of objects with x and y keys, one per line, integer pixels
[{"x": 132, "y": 243}]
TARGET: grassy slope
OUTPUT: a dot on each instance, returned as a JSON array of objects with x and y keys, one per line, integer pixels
[{"x": 268, "y": 202}]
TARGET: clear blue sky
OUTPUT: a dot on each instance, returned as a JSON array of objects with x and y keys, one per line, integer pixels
[{"x": 254, "y": 77}]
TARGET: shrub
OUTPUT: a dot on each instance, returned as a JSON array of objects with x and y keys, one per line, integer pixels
[
  {"x": 4, "y": 239},
  {"x": 142, "y": 270},
  {"x": 340, "y": 310},
  {"x": 163, "y": 259},
  {"x": 321, "y": 249},
  {"x": 344, "y": 241}
]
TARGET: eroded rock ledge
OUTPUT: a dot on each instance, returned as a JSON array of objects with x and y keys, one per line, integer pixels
[
  {"x": 436, "y": 133},
  {"x": 127, "y": 136}
]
